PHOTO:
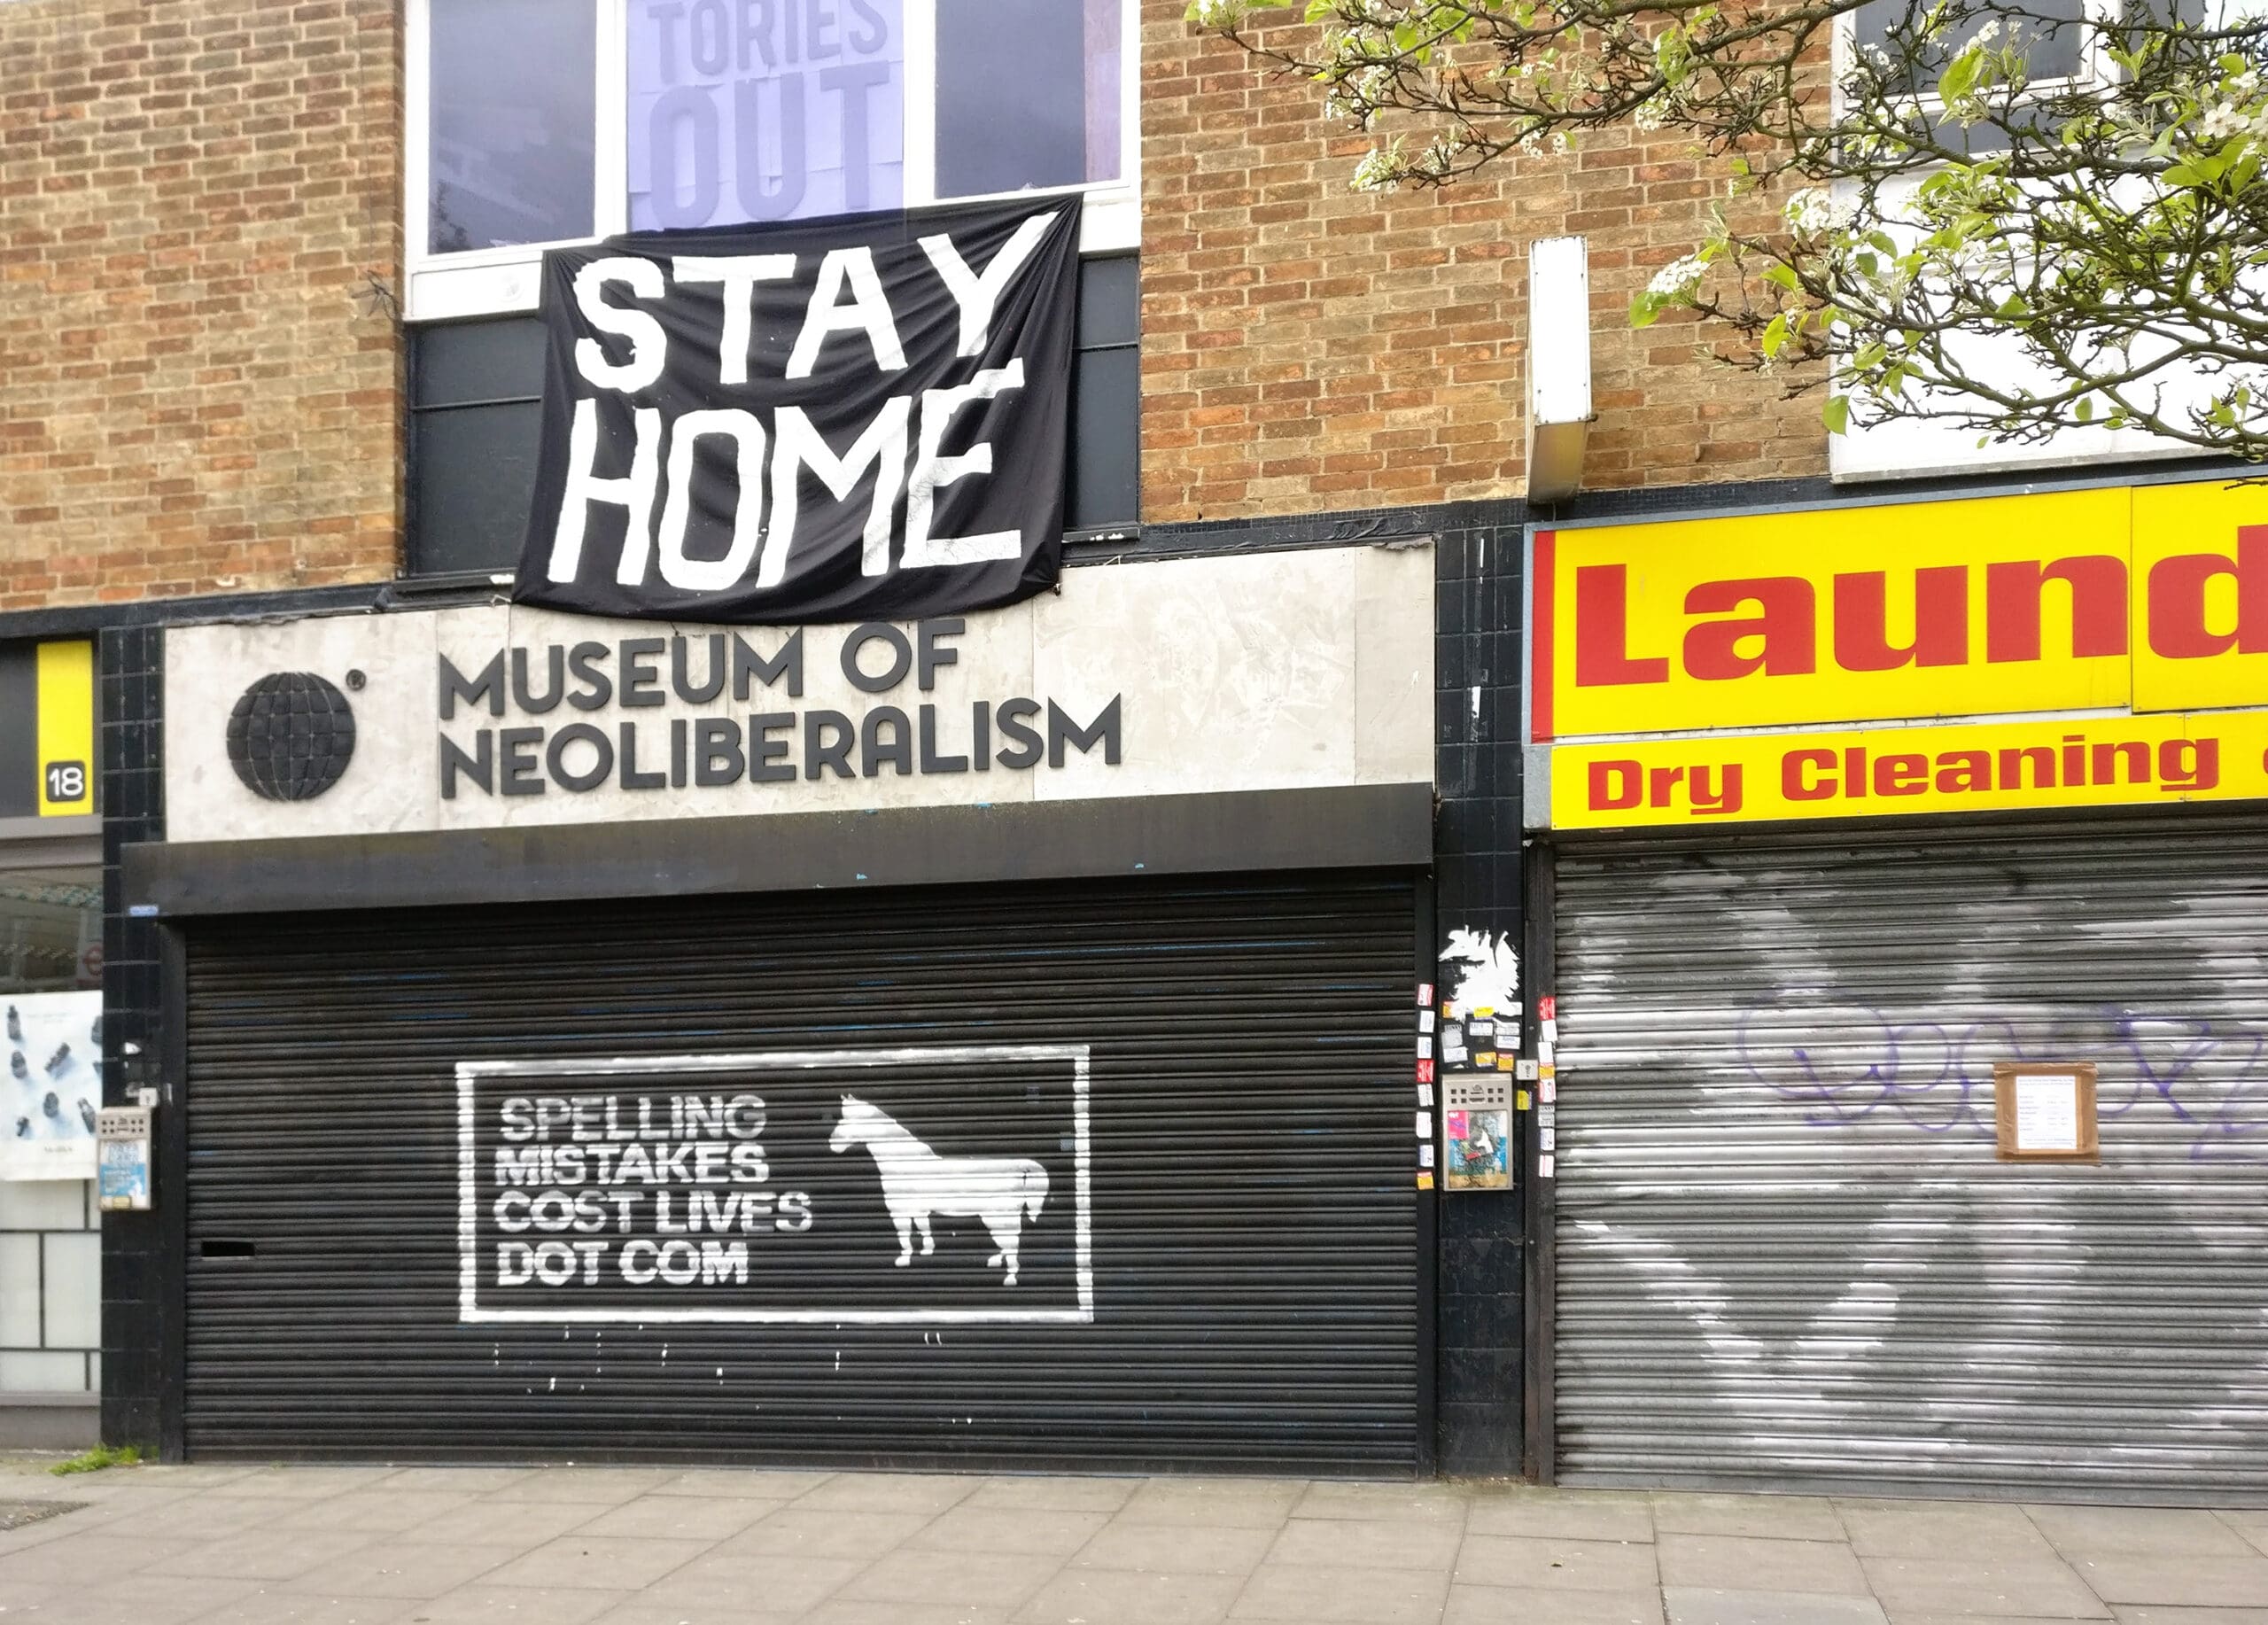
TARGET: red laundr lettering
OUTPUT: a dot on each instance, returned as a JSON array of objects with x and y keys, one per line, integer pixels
[
  {"x": 2012, "y": 606},
  {"x": 1785, "y": 628},
  {"x": 2178, "y": 628},
  {"x": 1940, "y": 620},
  {"x": 1602, "y": 631}
]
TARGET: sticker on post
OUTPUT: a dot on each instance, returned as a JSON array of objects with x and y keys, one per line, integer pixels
[
  {"x": 1476, "y": 1155},
  {"x": 1488, "y": 969}
]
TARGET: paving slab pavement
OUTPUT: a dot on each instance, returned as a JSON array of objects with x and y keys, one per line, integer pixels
[{"x": 273, "y": 1546}]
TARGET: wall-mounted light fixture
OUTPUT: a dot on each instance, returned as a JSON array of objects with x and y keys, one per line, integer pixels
[{"x": 1559, "y": 366}]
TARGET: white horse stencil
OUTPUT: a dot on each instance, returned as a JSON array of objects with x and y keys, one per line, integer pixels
[{"x": 1003, "y": 1190}]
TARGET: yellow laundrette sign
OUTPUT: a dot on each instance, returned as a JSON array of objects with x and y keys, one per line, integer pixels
[
  {"x": 2145, "y": 598},
  {"x": 1874, "y": 772},
  {"x": 67, "y": 729}
]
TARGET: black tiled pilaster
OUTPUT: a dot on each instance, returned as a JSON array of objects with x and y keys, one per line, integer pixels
[
  {"x": 1477, "y": 886},
  {"x": 135, "y": 1292}
]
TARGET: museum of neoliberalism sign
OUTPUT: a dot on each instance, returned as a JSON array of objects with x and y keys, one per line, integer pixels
[
  {"x": 539, "y": 744},
  {"x": 1188, "y": 676}
]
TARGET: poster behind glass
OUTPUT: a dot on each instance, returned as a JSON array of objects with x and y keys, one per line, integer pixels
[
  {"x": 757, "y": 110},
  {"x": 50, "y": 1021},
  {"x": 787, "y": 111}
]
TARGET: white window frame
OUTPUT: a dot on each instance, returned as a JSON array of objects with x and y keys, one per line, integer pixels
[
  {"x": 2094, "y": 66},
  {"x": 1883, "y": 452},
  {"x": 505, "y": 281}
]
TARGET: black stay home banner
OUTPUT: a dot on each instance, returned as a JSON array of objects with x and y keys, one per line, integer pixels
[{"x": 857, "y": 419}]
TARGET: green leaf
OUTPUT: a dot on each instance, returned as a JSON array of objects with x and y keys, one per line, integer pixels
[
  {"x": 1643, "y": 311},
  {"x": 1837, "y": 414},
  {"x": 1959, "y": 76}
]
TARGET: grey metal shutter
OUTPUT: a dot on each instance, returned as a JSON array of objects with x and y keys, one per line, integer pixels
[
  {"x": 1786, "y": 1251},
  {"x": 1253, "y": 1242}
]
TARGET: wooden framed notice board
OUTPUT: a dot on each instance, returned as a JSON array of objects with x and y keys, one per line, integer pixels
[{"x": 2044, "y": 1111}]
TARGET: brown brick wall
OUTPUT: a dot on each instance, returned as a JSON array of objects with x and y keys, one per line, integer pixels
[
  {"x": 198, "y": 390},
  {"x": 1306, "y": 347},
  {"x": 201, "y": 378}
]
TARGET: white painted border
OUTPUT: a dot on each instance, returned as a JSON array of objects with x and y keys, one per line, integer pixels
[{"x": 469, "y": 1310}]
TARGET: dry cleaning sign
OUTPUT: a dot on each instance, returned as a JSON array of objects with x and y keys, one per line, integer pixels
[
  {"x": 861, "y": 419},
  {"x": 935, "y": 1185}
]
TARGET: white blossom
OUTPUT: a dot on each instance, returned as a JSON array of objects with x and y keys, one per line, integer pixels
[
  {"x": 1219, "y": 13},
  {"x": 1678, "y": 278},
  {"x": 1985, "y": 34},
  {"x": 1377, "y": 171},
  {"x": 2225, "y": 119},
  {"x": 1812, "y": 213}
]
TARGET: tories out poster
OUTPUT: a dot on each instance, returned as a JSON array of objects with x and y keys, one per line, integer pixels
[{"x": 767, "y": 110}]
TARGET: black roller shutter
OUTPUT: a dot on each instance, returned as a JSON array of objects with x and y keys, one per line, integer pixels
[{"x": 1253, "y": 1260}]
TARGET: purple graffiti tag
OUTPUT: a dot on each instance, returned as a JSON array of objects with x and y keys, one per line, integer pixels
[
  {"x": 2168, "y": 1053},
  {"x": 1938, "y": 1079}
]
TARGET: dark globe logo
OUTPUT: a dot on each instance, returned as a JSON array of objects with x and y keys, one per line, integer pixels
[{"x": 290, "y": 737}]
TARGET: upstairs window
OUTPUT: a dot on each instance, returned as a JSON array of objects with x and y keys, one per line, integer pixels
[
  {"x": 510, "y": 131},
  {"x": 541, "y": 122},
  {"x": 2056, "y": 41}
]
